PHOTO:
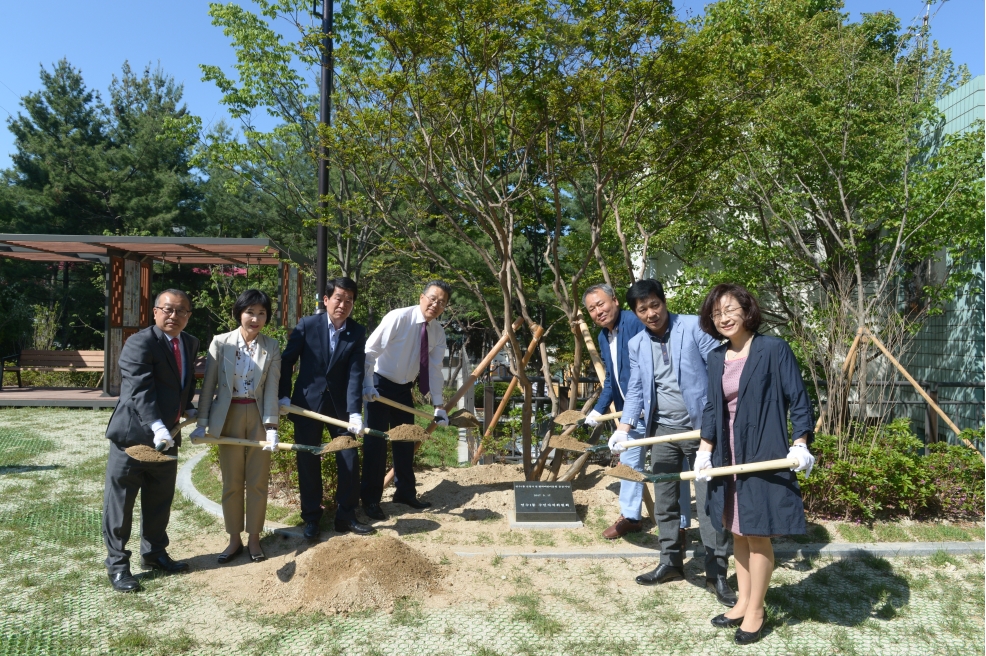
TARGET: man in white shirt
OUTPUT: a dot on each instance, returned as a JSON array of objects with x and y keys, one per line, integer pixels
[{"x": 407, "y": 346}]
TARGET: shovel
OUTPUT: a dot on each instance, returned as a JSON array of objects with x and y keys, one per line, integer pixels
[
  {"x": 576, "y": 418},
  {"x": 627, "y": 474},
  {"x": 647, "y": 441},
  {"x": 457, "y": 419},
  {"x": 333, "y": 421},
  {"x": 235, "y": 441},
  {"x": 145, "y": 453}
]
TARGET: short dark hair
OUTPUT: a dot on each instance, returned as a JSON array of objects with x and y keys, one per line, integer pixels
[
  {"x": 173, "y": 292},
  {"x": 248, "y": 298},
  {"x": 642, "y": 289},
  {"x": 747, "y": 301},
  {"x": 601, "y": 287},
  {"x": 343, "y": 282},
  {"x": 442, "y": 285}
]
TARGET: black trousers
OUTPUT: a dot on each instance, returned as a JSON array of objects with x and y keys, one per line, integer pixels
[
  {"x": 383, "y": 417},
  {"x": 125, "y": 477},
  {"x": 309, "y": 431}
]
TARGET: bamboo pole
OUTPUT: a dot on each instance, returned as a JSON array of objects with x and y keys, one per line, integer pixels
[
  {"x": 920, "y": 390},
  {"x": 850, "y": 363}
]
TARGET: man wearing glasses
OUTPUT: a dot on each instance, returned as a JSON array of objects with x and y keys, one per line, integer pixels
[
  {"x": 407, "y": 346},
  {"x": 157, "y": 386},
  {"x": 330, "y": 382},
  {"x": 668, "y": 383}
]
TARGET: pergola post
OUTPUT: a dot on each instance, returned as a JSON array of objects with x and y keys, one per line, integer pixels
[{"x": 128, "y": 311}]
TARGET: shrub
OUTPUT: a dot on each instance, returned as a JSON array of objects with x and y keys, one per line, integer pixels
[
  {"x": 882, "y": 475},
  {"x": 958, "y": 475}
]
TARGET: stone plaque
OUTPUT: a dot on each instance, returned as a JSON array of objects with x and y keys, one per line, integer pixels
[{"x": 535, "y": 501}]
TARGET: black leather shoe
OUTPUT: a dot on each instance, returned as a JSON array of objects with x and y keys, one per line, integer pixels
[
  {"x": 662, "y": 574},
  {"x": 723, "y": 622},
  {"x": 720, "y": 588},
  {"x": 165, "y": 564},
  {"x": 374, "y": 511},
  {"x": 226, "y": 557},
  {"x": 417, "y": 504},
  {"x": 258, "y": 557},
  {"x": 354, "y": 525},
  {"x": 124, "y": 581},
  {"x": 311, "y": 531},
  {"x": 748, "y": 638}
]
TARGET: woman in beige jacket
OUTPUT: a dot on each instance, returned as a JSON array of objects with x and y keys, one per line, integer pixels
[{"x": 239, "y": 399}]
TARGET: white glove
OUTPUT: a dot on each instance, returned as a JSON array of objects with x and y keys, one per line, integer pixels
[
  {"x": 272, "y": 440},
  {"x": 162, "y": 436},
  {"x": 703, "y": 460},
  {"x": 616, "y": 441},
  {"x": 441, "y": 417},
  {"x": 282, "y": 405},
  {"x": 198, "y": 433},
  {"x": 805, "y": 460},
  {"x": 191, "y": 413},
  {"x": 370, "y": 394},
  {"x": 355, "y": 423},
  {"x": 590, "y": 421}
]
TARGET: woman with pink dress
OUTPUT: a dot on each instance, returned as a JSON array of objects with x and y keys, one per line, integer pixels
[{"x": 755, "y": 386}]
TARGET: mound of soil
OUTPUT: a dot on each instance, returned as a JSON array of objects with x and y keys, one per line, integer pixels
[
  {"x": 622, "y": 471},
  {"x": 567, "y": 443},
  {"x": 407, "y": 433},
  {"x": 569, "y": 417}
]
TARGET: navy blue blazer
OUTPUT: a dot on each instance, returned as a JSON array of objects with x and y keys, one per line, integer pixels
[
  {"x": 770, "y": 389},
  {"x": 332, "y": 387},
  {"x": 628, "y": 325}
]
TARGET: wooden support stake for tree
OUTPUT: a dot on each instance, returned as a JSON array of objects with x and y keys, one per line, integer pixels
[
  {"x": 849, "y": 363},
  {"x": 478, "y": 371},
  {"x": 920, "y": 390},
  {"x": 546, "y": 448},
  {"x": 649, "y": 503},
  {"x": 538, "y": 333}
]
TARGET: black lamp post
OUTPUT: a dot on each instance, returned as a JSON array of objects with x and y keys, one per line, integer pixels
[{"x": 324, "y": 118}]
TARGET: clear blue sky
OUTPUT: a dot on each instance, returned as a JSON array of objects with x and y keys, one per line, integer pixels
[{"x": 97, "y": 37}]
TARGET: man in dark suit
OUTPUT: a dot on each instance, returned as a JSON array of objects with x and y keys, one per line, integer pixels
[
  {"x": 330, "y": 382},
  {"x": 158, "y": 383}
]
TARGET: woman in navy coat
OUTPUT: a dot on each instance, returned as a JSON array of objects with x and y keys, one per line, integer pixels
[{"x": 754, "y": 386}]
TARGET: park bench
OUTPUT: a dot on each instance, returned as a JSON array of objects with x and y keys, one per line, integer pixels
[{"x": 34, "y": 360}]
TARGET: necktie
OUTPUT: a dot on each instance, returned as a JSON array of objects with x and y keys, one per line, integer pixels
[
  {"x": 175, "y": 348},
  {"x": 423, "y": 360}
]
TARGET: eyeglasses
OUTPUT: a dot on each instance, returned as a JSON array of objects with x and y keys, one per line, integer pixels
[
  {"x": 726, "y": 312},
  {"x": 437, "y": 302},
  {"x": 168, "y": 311}
]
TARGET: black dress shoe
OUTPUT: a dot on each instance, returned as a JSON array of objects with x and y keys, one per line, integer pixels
[
  {"x": 311, "y": 531},
  {"x": 165, "y": 564},
  {"x": 258, "y": 557},
  {"x": 723, "y": 622},
  {"x": 354, "y": 525},
  {"x": 417, "y": 504},
  {"x": 722, "y": 591},
  {"x": 226, "y": 557},
  {"x": 747, "y": 637},
  {"x": 374, "y": 511},
  {"x": 124, "y": 581},
  {"x": 662, "y": 574}
]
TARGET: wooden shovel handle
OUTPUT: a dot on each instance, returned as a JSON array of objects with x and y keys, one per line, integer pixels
[
  {"x": 333, "y": 421},
  {"x": 405, "y": 408},
  {"x": 661, "y": 439},
  {"x": 235, "y": 441},
  {"x": 178, "y": 427},
  {"x": 766, "y": 465}
]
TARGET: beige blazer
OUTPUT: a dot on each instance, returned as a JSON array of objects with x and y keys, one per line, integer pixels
[{"x": 218, "y": 382}]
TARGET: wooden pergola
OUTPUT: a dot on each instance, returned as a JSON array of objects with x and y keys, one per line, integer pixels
[{"x": 129, "y": 263}]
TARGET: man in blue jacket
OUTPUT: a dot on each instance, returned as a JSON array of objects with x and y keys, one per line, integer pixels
[
  {"x": 617, "y": 328},
  {"x": 668, "y": 384}
]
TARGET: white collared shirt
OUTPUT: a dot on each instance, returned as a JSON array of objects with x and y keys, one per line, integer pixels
[
  {"x": 393, "y": 350},
  {"x": 613, "y": 351},
  {"x": 243, "y": 371}
]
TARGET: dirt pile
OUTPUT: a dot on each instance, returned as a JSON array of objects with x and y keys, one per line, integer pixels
[
  {"x": 569, "y": 417},
  {"x": 354, "y": 573},
  {"x": 407, "y": 433},
  {"x": 566, "y": 443},
  {"x": 146, "y": 453},
  {"x": 464, "y": 419}
]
